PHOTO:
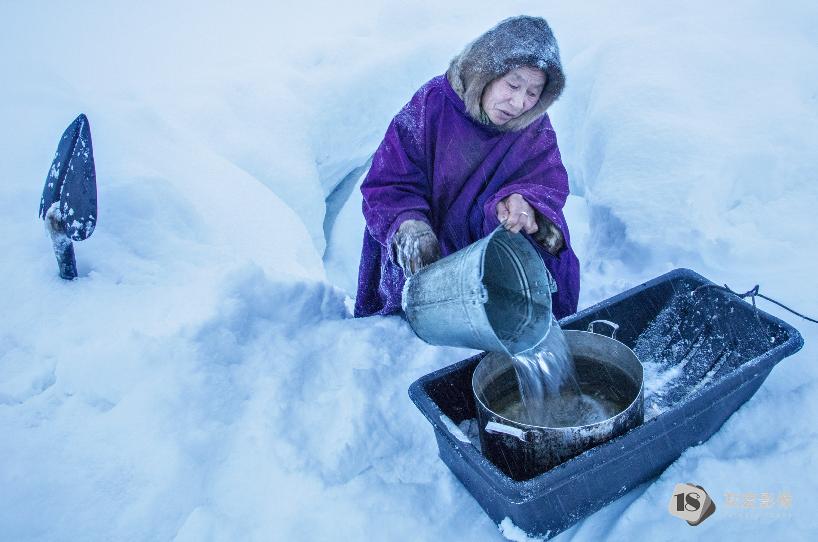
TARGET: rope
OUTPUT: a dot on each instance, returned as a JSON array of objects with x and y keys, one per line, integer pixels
[{"x": 752, "y": 294}]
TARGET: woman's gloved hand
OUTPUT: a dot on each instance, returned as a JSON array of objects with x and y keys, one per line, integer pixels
[
  {"x": 414, "y": 246},
  {"x": 548, "y": 235}
]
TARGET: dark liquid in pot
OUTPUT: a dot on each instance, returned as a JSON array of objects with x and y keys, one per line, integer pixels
[{"x": 605, "y": 392}]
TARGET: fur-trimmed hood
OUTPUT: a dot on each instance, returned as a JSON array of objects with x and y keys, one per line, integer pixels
[{"x": 514, "y": 42}]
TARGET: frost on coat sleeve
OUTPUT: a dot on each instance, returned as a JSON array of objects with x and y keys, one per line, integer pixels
[{"x": 397, "y": 188}]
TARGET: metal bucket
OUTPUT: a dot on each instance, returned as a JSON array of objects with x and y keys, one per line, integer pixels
[
  {"x": 522, "y": 450},
  {"x": 493, "y": 295}
]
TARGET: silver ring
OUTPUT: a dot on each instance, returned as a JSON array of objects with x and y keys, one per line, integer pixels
[{"x": 524, "y": 213}]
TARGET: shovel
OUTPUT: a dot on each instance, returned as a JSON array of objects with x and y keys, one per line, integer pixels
[{"x": 69, "y": 201}]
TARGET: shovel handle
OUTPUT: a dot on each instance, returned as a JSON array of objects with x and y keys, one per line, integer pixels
[
  {"x": 63, "y": 247},
  {"x": 66, "y": 261}
]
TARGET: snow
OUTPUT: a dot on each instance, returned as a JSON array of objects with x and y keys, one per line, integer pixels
[
  {"x": 514, "y": 533},
  {"x": 454, "y": 429},
  {"x": 202, "y": 379}
]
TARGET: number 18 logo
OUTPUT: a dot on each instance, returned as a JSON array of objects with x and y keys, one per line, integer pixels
[{"x": 691, "y": 503}]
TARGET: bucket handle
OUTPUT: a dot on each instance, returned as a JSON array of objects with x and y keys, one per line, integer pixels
[
  {"x": 614, "y": 327},
  {"x": 525, "y": 436}
]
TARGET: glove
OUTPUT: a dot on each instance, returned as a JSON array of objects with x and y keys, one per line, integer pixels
[
  {"x": 548, "y": 235},
  {"x": 414, "y": 246}
]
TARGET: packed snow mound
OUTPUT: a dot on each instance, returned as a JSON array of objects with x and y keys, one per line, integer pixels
[
  {"x": 708, "y": 128},
  {"x": 279, "y": 397}
]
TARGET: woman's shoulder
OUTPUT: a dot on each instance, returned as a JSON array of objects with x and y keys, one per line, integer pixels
[
  {"x": 429, "y": 94},
  {"x": 426, "y": 101},
  {"x": 540, "y": 129},
  {"x": 434, "y": 98},
  {"x": 439, "y": 88}
]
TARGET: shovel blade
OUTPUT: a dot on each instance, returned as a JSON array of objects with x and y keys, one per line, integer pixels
[{"x": 72, "y": 181}]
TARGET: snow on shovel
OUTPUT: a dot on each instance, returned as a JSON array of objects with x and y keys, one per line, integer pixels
[{"x": 69, "y": 202}]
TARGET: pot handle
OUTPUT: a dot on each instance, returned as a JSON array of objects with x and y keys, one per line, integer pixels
[
  {"x": 525, "y": 436},
  {"x": 614, "y": 327}
]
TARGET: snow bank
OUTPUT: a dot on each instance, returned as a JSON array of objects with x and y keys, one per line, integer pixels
[
  {"x": 688, "y": 135},
  {"x": 277, "y": 417}
]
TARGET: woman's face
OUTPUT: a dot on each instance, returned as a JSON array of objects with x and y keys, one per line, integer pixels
[{"x": 512, "y": 94}]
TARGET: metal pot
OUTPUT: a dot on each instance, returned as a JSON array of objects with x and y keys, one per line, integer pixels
[{"x": 522, "y": 450}]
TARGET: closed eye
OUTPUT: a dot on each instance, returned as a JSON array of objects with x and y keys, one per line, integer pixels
[{"x": 514, "y": 87}]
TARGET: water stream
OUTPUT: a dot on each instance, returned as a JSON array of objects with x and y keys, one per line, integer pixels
[{"x": 550, "y": 393}]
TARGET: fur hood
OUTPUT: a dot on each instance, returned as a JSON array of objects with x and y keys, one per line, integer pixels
[{"x": 514, "y": 42}]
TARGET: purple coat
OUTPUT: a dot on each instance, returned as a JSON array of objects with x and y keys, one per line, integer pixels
[{"x": 438, "y": 165}]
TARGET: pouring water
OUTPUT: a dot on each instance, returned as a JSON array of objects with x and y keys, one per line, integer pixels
[{"x": 550, "y": 394}]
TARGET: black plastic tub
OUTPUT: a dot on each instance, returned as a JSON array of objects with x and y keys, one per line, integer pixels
[{"x": 720, "y": 350}]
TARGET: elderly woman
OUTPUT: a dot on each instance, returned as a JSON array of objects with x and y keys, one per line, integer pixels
[{"x": 473, "y": 149}]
